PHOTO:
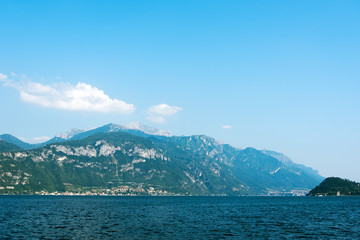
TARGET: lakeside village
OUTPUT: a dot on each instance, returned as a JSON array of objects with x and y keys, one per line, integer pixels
[
  {"x": 127, "y": 191},
  {"x": 93, "y": 191}
]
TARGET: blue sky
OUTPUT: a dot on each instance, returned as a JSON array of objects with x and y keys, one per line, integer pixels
[{"x": 280, "y": 75}]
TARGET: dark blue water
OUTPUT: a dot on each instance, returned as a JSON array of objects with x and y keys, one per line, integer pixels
[{"x": 61, "y": 217}]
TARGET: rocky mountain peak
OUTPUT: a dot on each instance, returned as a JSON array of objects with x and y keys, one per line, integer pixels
[
  {"x": 147, "y": 129},
  {"x": 69, "y": 134}
]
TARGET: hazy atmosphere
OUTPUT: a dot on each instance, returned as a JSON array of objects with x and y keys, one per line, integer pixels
[{"x": 278, "y": 75}]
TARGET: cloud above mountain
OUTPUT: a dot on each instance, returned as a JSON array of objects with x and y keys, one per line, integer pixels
[
  {"x": 33, "y": 140},
  {"x": 65, "y": 96},
  {"x": 79, "y": 97},
  {"x": 159, "y": 113}
]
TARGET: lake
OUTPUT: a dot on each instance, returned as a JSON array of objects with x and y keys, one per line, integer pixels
[{"x": 114, "y": 217}]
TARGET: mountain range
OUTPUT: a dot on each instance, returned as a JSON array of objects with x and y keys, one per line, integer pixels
[{"x": 138, "y": 160}]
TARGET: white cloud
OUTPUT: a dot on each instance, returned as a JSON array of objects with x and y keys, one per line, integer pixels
[
  {"x": 35, "y": 139},
  {"x": 81, "y": 97},
  {"x": 164, "y": 109},
  {"x": 227, "y": 127},
  {"x": 158, "y": 113},
  {"x": 6, "y": 81},
  {"x": 3, "y": 76}
]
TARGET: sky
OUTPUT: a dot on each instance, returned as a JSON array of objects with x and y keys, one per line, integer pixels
[{"x": 278, "y": 75}]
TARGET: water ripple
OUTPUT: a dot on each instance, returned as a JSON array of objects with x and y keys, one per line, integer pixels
[{"x": 61, "y": 217}]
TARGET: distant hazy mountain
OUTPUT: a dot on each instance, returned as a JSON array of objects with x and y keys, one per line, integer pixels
[
  {"x": 11, "y": 139},
  {"x": 289, "y": 163},
  {"x": 259, "y": 170},
  {"x": 6, "y": 146},
  {"x": 145, "y": 161},
  {"x": 76, "y": 134},
  {"x": 147, "y": 129},
  {"x": 279, "y": 156},
  {"x": 69, "y": 134},
  {"x": 133, "y": 128}
]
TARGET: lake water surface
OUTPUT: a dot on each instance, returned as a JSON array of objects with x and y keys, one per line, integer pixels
[{"x": 92, "y": 217}]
